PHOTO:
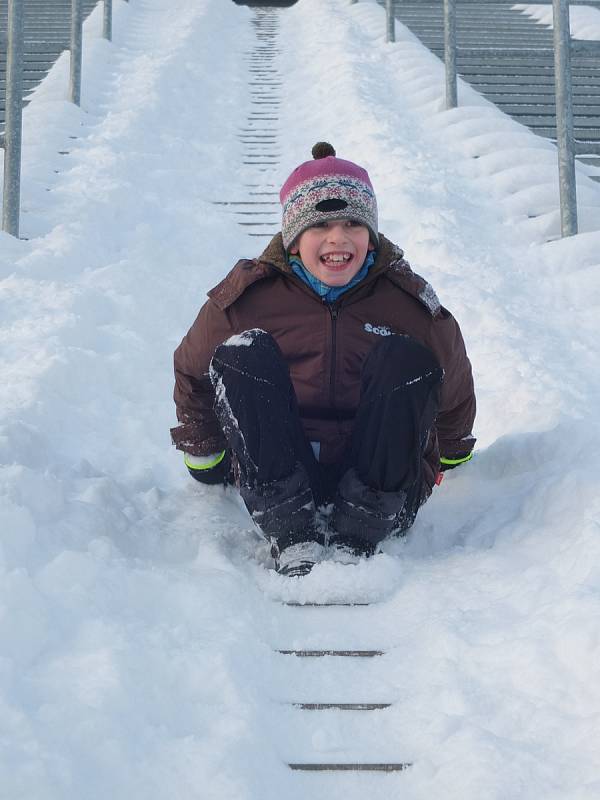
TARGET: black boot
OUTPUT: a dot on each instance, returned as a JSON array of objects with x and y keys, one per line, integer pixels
[
  {"x": 284, "y": 510},
  {"x": 285, "y": 513},
  {"x": 362, "y": 517}
]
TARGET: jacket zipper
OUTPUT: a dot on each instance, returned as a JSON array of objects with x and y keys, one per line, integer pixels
[{"x": 334, "y": 315}]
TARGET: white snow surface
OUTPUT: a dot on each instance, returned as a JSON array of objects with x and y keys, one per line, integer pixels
[{"x": 139, "y": 619}]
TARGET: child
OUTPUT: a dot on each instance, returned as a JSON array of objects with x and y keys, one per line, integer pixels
[{"x": 325, "y": 371}]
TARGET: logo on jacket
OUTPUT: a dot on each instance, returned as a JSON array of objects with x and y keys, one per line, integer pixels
[{"x": 380, "y": 330}]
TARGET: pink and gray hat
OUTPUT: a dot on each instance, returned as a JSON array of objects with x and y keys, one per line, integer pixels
[{"x": 326, "y": 188}]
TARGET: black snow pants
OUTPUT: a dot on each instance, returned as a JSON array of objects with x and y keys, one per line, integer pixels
[{"x": 378, "y": 487}]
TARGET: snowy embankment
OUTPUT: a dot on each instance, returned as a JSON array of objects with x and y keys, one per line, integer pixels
[{"x": 137, "y": 618}]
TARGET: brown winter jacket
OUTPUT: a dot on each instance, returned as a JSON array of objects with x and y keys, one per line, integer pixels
[{"x": 325, "y": 347}]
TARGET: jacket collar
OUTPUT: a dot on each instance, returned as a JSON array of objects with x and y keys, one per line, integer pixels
[{"x": 389, "y": 263}]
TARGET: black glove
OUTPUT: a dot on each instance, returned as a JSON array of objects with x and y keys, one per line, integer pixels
[{"x": 211, "y": 469}]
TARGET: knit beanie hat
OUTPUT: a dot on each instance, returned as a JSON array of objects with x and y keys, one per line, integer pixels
[{"x": 326, "y": 188}]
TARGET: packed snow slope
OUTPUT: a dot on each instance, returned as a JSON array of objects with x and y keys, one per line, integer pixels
[{"x": 139, "y": 618}]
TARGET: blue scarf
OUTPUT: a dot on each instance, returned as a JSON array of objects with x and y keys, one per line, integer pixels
[{"x": 330, "y": 293}]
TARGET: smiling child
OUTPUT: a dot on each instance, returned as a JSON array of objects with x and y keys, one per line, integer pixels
[{"x": 324, "y": 378}]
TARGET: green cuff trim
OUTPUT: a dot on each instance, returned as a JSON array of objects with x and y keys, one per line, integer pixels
[
  {"x": 452, "y": 462},
  {"x": 216, "y": 460}
]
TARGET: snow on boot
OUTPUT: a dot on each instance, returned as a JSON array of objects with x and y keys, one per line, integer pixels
[
  {"x": 341, "y": 553},
  {"x": 298, "y": 559},
  {"x": 362, "y": 517},
  {"x": 284, "y": 510}
]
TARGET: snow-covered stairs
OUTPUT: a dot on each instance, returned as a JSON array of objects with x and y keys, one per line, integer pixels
[
  {"x": 46, "y": 35},
  {"x": 336, "y": 685},
  {"x": 353, "y": 726},
  {"x": 507, "y": 56},
  {"x": 258, "y": 211}
]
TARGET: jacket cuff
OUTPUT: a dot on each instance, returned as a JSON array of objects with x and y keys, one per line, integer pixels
[
  {"x": 198, "y": 439},
  {"x": 203, "y": 462},
  {"x": 457, "y": 460},
  {"x": 216, "y": 468}
]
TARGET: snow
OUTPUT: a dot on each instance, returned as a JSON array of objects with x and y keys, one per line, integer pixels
[
  {"x": 139, "y": 624},
  {"x": 244, "y": 339}
]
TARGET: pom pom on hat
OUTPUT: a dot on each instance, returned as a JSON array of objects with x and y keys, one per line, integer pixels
[
  {"x": 326, "y": 188},
  {"x": 322, "y": 150}
]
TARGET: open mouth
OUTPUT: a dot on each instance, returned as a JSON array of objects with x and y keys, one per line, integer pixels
[{"x": 336, "y": 261}]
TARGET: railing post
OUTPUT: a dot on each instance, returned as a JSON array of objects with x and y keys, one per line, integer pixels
[
  {"x": 11, "y": 200},
  {"x": 76, "y": 47},
  {"x": 564, "y": 118},
  {"x": 107, "y": 20},
  {"x": 450, "y": 53},
  {"x": 390, "y": 26}
]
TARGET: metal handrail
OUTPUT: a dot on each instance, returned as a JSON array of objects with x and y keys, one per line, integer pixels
[
  {"x": 564, "y": 118},
  {"x": 11, "y": 140},
  {"x": 14, "y": 119},
  {"x": 390, "y": 21},
  {"x": 76, "y": 52}
]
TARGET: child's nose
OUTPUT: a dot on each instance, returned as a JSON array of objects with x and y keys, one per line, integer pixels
[{"x": 337, "y": 231}]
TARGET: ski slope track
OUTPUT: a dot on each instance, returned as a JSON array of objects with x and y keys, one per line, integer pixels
[{"x": 141, "y": 627}]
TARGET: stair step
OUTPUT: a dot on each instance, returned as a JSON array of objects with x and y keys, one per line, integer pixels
[
  {"x": 582, "y": 147},
  {"x": 583, "y": 134},
  {"x": 336, "y": 653},
  {"x": 342, "y": 706},
  {"x": 530, "y": 71},
  {"x": 244, "y": 203},
  {"x": 324, "y": 605},
  {"x": 581, "y": 125},
  {"x": 398, "y": 767},
  {"x": 538, "y": 98},
  {"x": 492, "y": 79},
  {"x": 545, "y": 110},
  {"x": 255, "y": 214}
]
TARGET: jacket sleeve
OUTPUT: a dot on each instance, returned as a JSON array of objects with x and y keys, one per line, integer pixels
[
  {"x": 199, "y": 432},
  {"x": 454, "y": 423}
]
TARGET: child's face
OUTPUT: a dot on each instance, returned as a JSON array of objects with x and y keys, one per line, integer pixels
[{"x": 333, "y": 251}]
